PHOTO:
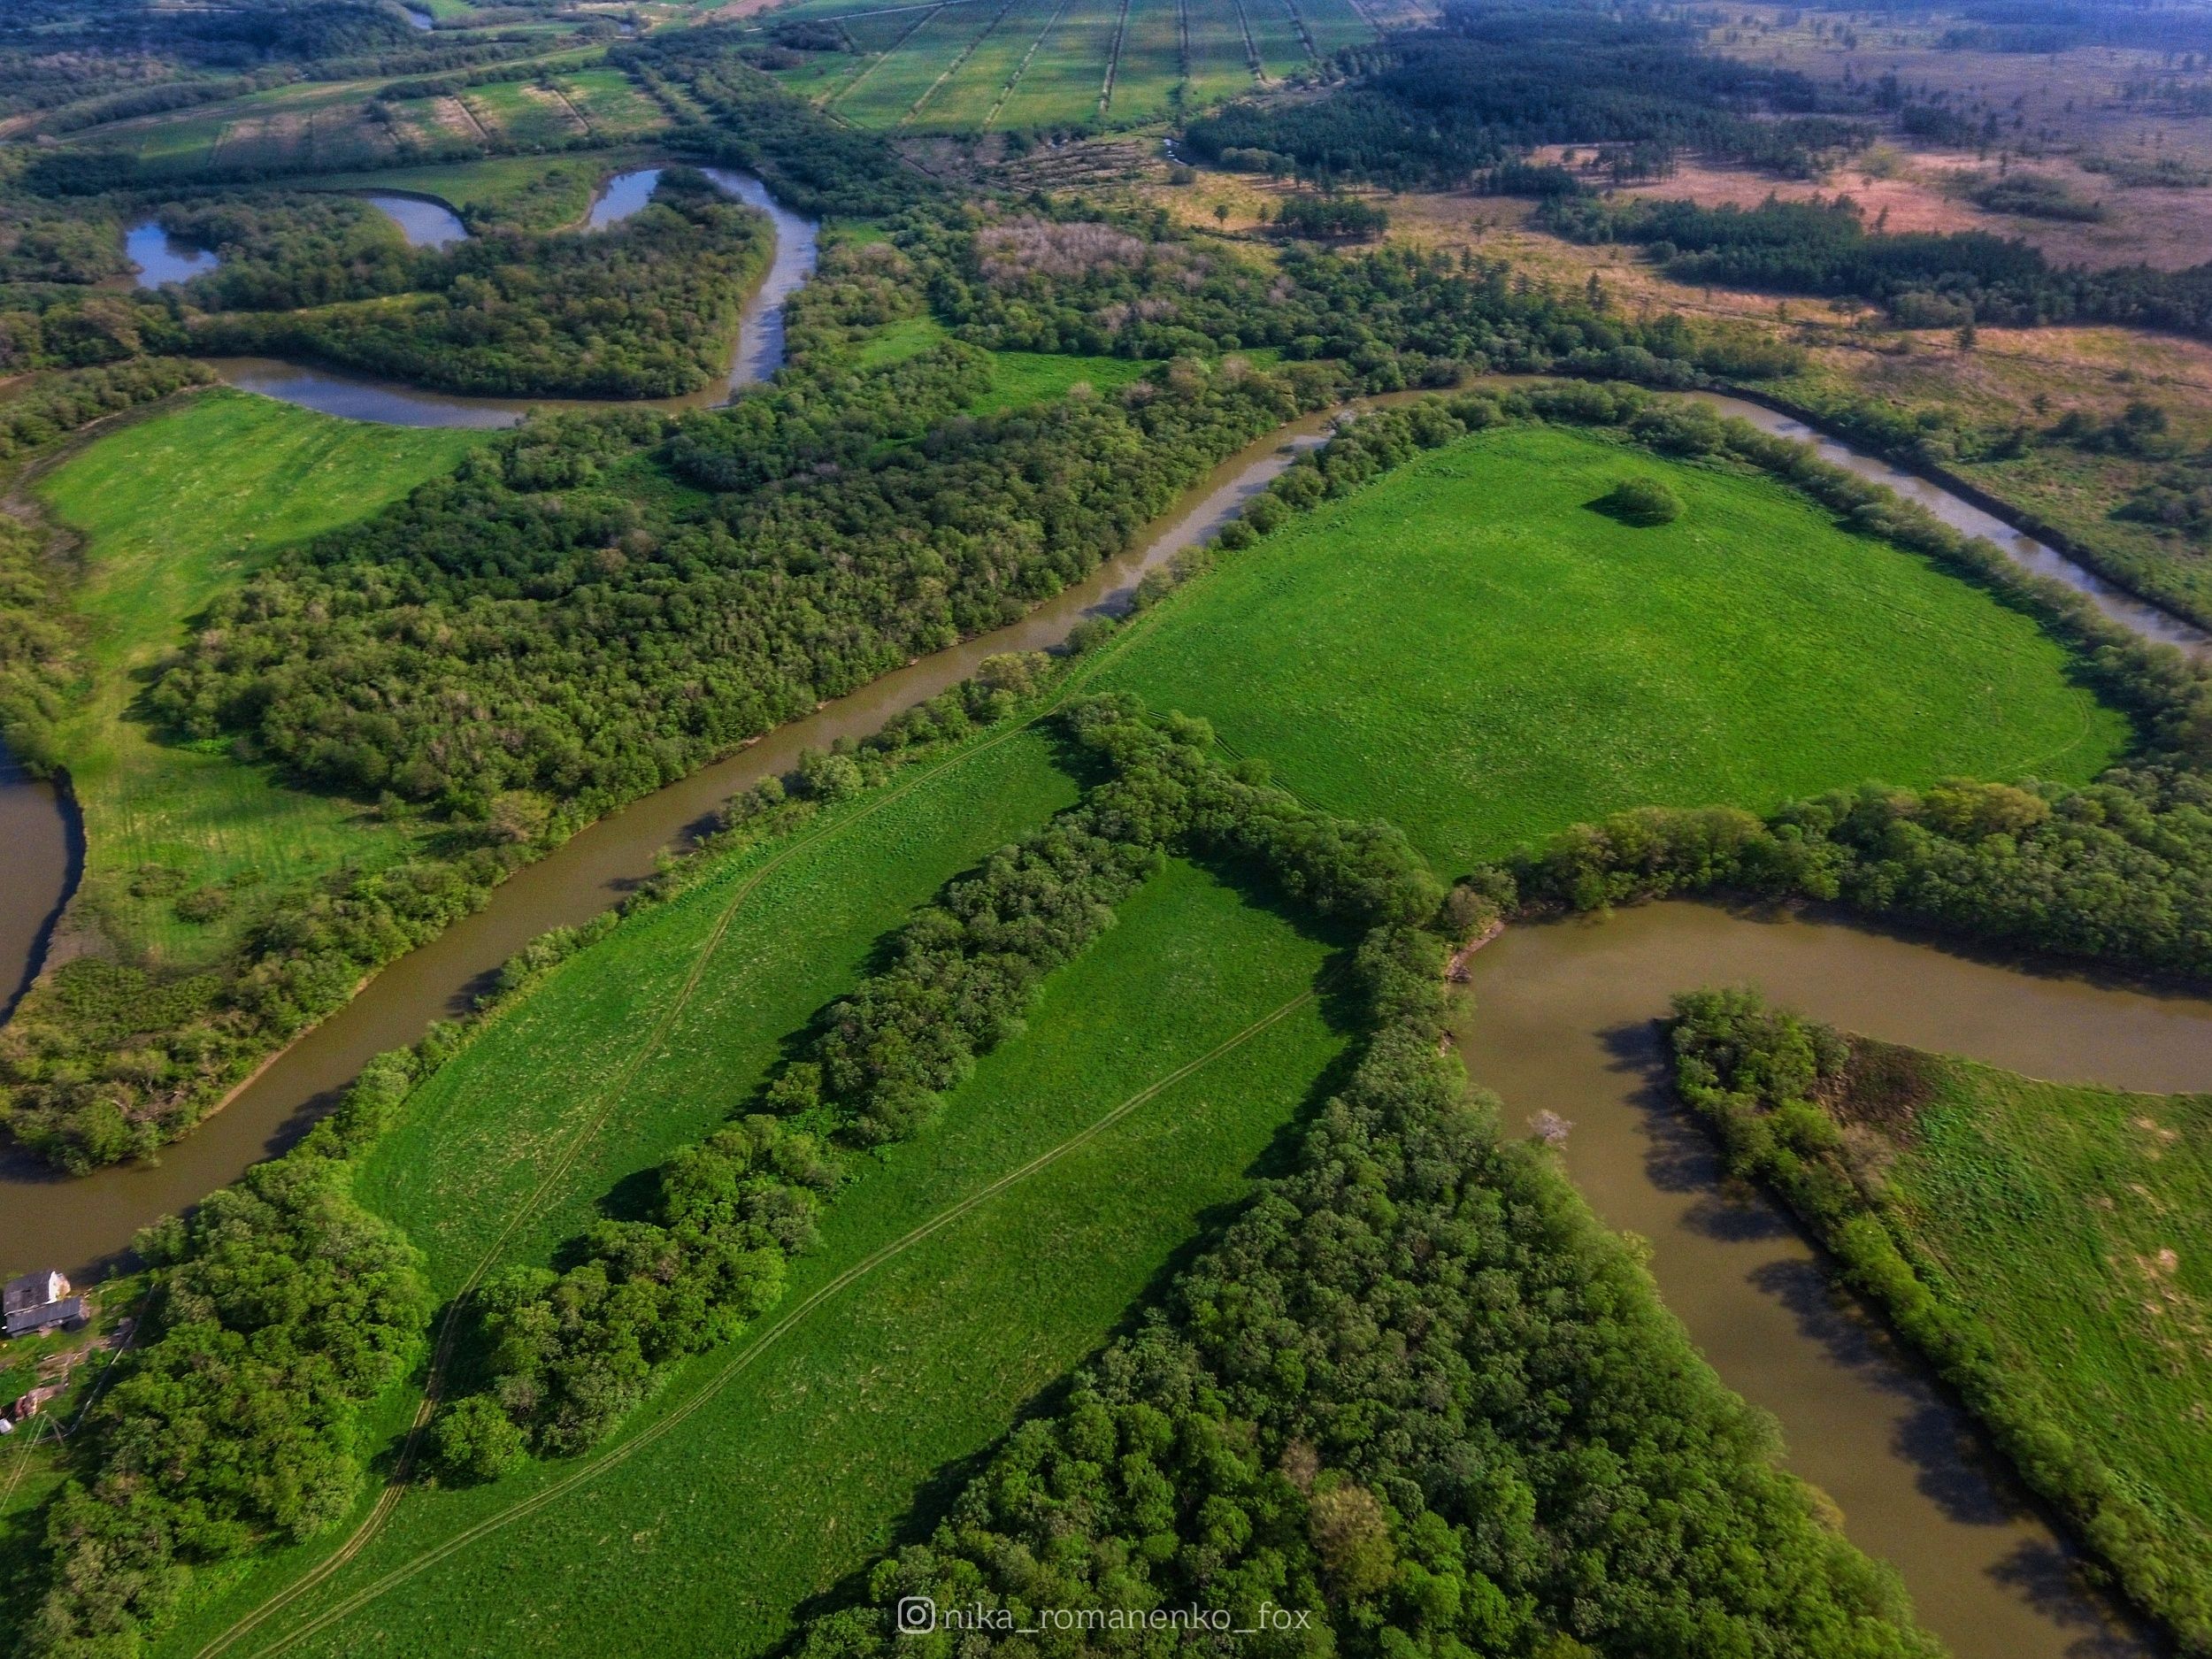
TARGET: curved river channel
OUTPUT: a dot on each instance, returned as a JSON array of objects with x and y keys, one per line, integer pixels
[{"x": 1560, "y": 1019}]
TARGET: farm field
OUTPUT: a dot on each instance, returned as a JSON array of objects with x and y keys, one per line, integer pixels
[
  {"x": 329, "y": 126},
  {"x": 2051, "y": 1213},
  {"x": 173, "y": 509},
  {"x": 834, "y": 1429},
  {"x": 1015, "y": 66},
  {"x": 1467, "y": 648}
]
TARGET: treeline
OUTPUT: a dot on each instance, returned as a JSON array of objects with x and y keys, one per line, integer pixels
[
  {"x": 571, "y": 1353},
  {"x": 1406, "y": 1398},
  {"x": 1762, "y": 1078},
  {"x": 1437, "y": 108},
  {"x": 644, "y": 309},
  {"x": 1925, "y": 279},
  {"x": 282, "y": 1307},
  {"x": 2117, "y": 873}
]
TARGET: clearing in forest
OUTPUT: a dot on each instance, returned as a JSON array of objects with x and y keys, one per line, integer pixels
[{"x": 1467, "y": 648}]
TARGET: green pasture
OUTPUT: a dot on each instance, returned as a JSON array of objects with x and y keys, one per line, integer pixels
[
  {"x": 2068, "y": 1221},
  {"x": 770, "y": 1469},
  {"x": 174, "y": 509},
  {"x": 532, "y": 192},
  {"x": 1467, "y": 648}
]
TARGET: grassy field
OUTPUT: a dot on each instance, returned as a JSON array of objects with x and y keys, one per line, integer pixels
[
  {"x": 2067, "y": 1221},
  {"x": 328, "y": 125},
  {"x": 173, "y": 509},
  {"x": 532, "y": 192},
  {"x": 974, "y": 65},
  {"x": 1467, "y": 648},
  {"x": 769, "y": 1470}
]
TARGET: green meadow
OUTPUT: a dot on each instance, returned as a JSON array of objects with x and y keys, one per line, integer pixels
[
  {"x": 1155, "y": 1074},
  {"x": 172, "y": 511},
  {"x": 2067, "y": 1221},
  {"x": 1467, "y": 648}
]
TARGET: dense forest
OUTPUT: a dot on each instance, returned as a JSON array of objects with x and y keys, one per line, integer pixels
[
  {"x": 1925, "y": 279},
  {"x": 1773, "y": 1086},
  {"x": 1439, "y": 107},
  {"x": 1409, "y": 1397},
  {"x": 646, "y": 308},
  {"x": 281, "y": 251}
]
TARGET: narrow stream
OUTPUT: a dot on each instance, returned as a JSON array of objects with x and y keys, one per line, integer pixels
[{"x": 1560, "y": 1018}]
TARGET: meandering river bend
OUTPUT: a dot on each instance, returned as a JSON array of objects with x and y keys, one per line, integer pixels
[{"x": 1560, "y": 1019}]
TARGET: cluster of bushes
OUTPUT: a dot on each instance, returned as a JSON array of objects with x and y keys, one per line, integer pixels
[
  {"x": 1440, "y": 107},
  {"x": 1759, "y": 1077},
  {"x": 282, "y": 1307},
  {"x": 1409, "y": 1396},
  {"x": 830, "y": 422},
  {"x": 644, "y": 309},
  {"x": 102, "y": 1061},
  {"x": 572, "y": 1352},
  {"x": 1331, "y": 218}
]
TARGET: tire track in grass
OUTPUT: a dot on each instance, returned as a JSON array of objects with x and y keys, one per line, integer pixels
[
  {"x": 960, "y": 62},
  {"x": 1113, "y": 61},
  {"x": 449, "y": 1326},
  {"x": 742, "y": 1361},
  {"x": 1022, "y": 68},
  {"x": 833, "y": 99}
]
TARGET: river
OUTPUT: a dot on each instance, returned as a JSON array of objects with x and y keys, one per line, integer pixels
[
  {"x": 1560, "y": 1018},
  {"x": 755, "y": 351}
]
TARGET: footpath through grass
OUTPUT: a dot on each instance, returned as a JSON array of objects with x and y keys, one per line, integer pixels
[
  {"x": 1466, "y": 647},
  {"x": 174, "y": 509},
  {"x": 2069, "y": 1222}
]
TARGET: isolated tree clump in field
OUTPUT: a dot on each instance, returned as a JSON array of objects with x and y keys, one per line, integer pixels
[{"x": 1642, "y": 500}]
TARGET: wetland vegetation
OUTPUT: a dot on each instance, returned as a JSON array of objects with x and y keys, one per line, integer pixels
[{"x": 1018, "y": 1156}]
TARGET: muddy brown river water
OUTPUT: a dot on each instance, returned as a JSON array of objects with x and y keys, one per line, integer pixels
[{"x": 1561, "y": 1019}]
